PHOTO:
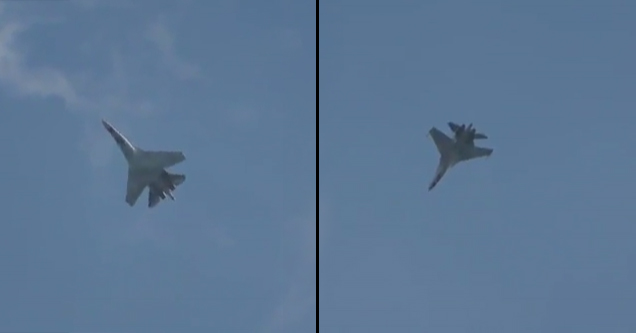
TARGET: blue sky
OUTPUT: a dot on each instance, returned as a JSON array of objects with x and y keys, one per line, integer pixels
[
  {"x": 540, "y": 237},
  {"x": 232, "y": 85}
]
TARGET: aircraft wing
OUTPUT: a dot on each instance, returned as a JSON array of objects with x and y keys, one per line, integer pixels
[
  {"x": 442, "y": 141},
  {"x": 439, "y": 173},
  {"x": 164, "y": 159},
  {"x": 135, "y": 185},
  {"x": 476, "y": 152}
]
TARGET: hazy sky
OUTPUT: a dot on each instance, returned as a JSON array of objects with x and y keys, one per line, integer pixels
[
  {"x": 229, "y": 83},
  {"x": 540, "y": 237}
]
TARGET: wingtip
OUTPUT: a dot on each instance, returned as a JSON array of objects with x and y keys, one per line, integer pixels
[{"x": 107, "y": 125}]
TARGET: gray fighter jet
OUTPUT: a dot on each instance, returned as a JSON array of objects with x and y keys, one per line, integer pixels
[
  {"x": 458, "y": 149},
  {"x": 148, "y": 169}
]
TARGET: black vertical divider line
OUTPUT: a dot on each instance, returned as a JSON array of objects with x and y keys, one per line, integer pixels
[{"x": 317, "y": 170}]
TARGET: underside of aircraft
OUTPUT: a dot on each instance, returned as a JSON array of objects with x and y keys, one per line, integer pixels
[{"x": 148, "y": 169}]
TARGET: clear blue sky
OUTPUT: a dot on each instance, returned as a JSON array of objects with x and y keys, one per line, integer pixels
[
  {"x": 540, "y": 237},
  {"x": 229, "y": 83}
]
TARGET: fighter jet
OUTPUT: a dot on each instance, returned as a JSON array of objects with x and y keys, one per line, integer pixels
[
  {"x": 148, "y": 169},
  {"x": 458, "y": 149}
]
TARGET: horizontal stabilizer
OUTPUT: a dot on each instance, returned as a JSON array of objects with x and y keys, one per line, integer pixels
[
  {"x": 176, "y": 179},
  {"x": 480, "y": 136}
]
